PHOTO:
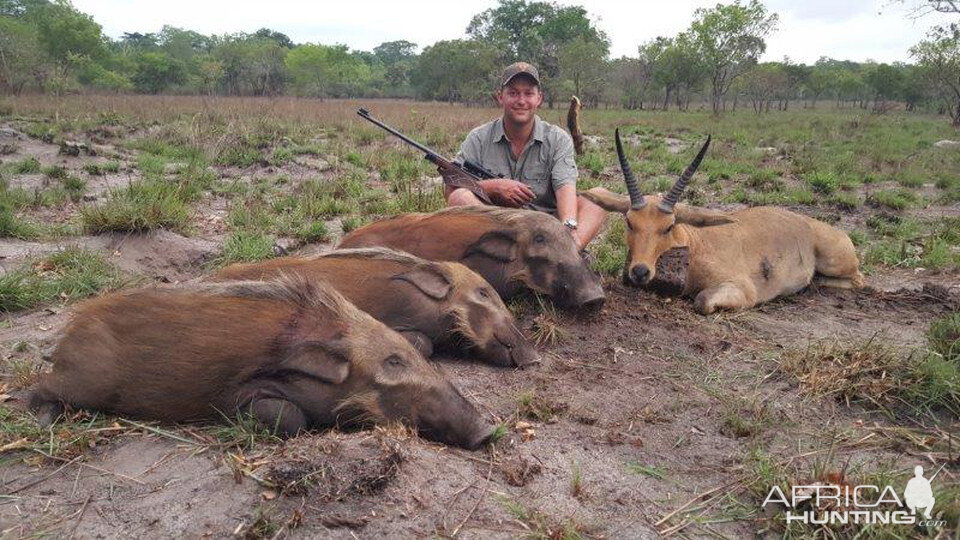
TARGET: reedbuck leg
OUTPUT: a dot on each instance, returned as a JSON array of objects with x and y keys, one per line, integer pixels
[
  {"x": 279, "y": 416},
  {"x": 725, "y": 295},
  {"x": 836, "y": 258}
]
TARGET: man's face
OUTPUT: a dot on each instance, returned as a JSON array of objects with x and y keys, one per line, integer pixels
[{"x": 520, "y": 99}]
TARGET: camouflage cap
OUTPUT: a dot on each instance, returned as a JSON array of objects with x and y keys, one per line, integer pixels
[{"x": 519, "y": 68}]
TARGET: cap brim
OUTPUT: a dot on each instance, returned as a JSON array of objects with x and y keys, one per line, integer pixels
[{"x": 518, "y": 74}]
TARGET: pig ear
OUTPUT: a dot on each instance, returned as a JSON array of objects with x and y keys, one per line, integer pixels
[
  {"x": 428, "y": 279},
  {"x": 499, "y": 245},
  {"x": 328, "y": 361}
]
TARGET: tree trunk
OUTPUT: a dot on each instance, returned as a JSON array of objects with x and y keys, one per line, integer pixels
[{"x": 666, "y": 100}]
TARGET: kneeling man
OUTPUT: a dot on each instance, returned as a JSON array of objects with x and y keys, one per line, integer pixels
[{"x": 533, "y": 159}]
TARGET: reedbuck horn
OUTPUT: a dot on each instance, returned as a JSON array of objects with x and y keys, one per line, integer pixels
[
  {"x": 636, "y": 198},
  {"x": 671, "y": 198}
]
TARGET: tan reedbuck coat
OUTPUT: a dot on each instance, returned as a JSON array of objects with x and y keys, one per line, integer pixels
[{"x": 736, "y": 259}]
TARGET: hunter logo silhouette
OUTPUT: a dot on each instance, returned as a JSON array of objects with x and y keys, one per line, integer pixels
[{"x": 918, "y": 493}]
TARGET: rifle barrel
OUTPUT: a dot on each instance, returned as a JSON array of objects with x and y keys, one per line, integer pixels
[{"x": 365, "y": 114}]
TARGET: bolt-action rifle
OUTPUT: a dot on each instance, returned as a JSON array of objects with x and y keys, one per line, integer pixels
[{"x": 466, "y": 176}]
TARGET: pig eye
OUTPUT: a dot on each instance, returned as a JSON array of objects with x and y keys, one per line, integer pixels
[
  {"x": 539, "y": 238},
  {"x": 394, "y": 361}
]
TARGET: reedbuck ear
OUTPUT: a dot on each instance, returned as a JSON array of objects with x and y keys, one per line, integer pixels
[
  {"x": 428, "y": 279},
  {"x": 606, "y": 199},
  {"x": 700, "y": 217},
  {"x": 498, "y": 245},
  {"x": 328, "y": 361}
]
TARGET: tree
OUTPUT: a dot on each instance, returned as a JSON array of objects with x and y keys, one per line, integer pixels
[
  {"x": 65, "y": 33},
  {"x": 138, "y": 41},
  {"x": 675, "y": 67},
  {"x": 183, "y": 44},
  {"x": 21, "y": 58},
  {"x": 764, "y": 83},
  {"x": 631, "y": 77},
  {"x": 536, "y": 32},
  {"x": 457, "y": 70},
  {"x": 886, "y": 82},
  {"x": 938, "y": 59},
  {"x": 820, "y": 80},
  {"x": 322, "y": 70},
  {"x": 157, "y": 71},
  {"x": 582, "y": 62},
  {"x": 729, "y": 39},
  {"x": 250, "y": 65},
  {"x": 279, "y": 38},
  {"x": 397, "y": 58}
]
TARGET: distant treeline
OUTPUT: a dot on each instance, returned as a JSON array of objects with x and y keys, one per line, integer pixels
[{"x": 51, "y": 47}]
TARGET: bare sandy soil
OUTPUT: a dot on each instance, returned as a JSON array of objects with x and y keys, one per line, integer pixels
[{"x": 640, "y": 423}]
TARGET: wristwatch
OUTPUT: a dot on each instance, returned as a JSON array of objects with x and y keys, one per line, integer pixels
[{"x": 570, "y": 223}]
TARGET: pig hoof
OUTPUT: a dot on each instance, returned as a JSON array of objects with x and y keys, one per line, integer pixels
[
  {"x": 280, "y": 416},
  {"x": 48, "y": 413}
]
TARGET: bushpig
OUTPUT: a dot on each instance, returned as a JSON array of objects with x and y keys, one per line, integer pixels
[
  {"x": 512, "y": 249},
  {"x": 425, "y": 301},
  {"x": 293, "y": 353}
]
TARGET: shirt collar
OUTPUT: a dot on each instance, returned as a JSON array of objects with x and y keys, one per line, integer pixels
[{"x": 538, "y": 130}]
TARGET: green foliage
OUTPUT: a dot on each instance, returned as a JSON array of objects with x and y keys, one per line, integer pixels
[
  {"x": 456, "y": 70},
  {"x": 158, "y": 71},
  {"x": 896, "y": 199},
  {"x": 944, "y": 335},
  {"x": 728, "y": 36},
  {"x": 65, "y": 34},
  {"x": 938, "y": 58},
  {"x": 244, "y": 246},
  {"x": 314, "y": 231},
  {"x": 327, "y": 70},
  {"x": 823, "y": 182},
  {"x": 28, "y": 165},
  {"x": 69, "y": 274},
  {"x": 141, "y": 206}
]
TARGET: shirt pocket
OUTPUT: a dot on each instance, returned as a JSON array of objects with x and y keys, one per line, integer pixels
[{"x": 536, "y": 170}]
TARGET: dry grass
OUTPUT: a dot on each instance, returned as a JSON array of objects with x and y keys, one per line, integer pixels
[{"x": 876, "y": 374}]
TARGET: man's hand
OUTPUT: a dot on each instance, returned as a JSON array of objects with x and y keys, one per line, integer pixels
[{"x": 507, "y": 192}]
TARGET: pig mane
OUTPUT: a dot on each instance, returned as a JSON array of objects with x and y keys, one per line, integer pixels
[
  {"x": 303, "y": 293},
  {"x": 379, "y": 253},
  {"x": 505, "y": 216}
]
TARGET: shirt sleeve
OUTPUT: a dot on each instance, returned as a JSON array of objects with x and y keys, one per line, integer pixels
[
  {"x": 564, "y": 169},
  {"x": 469, "y": 149}
]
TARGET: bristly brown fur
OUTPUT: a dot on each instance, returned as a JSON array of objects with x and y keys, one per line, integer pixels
[
  {"x": 573, "y": 124},
  {"x": 379, "y": 253},
  {"x": 295, "y": 289}
]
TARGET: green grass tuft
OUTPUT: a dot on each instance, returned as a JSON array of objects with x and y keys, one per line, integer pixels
[
  {"x": 141, "y": 206},
  {"x": 67, "y": 275}
]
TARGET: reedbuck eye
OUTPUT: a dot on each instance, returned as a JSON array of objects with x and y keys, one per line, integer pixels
[{"x": 483, "y": 293}]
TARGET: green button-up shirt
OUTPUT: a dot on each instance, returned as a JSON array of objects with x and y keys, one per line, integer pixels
[{"x": 546, "y": 163}]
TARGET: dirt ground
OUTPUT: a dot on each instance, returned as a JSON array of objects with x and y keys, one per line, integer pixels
[{"x": 628, "y": 428}]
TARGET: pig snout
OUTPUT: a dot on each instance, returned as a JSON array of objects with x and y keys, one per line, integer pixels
[
  {"x": 577, "y": 287},
  {"x": 511, "y": 348},
  {"x": 447, "y": 417}
]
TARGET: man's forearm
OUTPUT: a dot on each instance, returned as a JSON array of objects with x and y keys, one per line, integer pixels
[{"x": 567, "y": 202}]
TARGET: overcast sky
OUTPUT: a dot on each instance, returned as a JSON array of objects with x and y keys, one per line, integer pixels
[{"x": 844, "y": 29}]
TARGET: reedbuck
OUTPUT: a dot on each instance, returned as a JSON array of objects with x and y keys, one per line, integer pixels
[{"x": 736, "y": 259}]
